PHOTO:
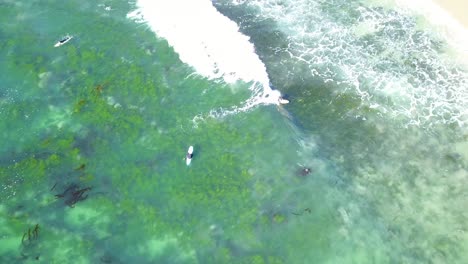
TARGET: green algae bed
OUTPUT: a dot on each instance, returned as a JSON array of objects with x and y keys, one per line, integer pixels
[
  {"x": 94, "y": 134},
  {"x": 93, "y": 141}
]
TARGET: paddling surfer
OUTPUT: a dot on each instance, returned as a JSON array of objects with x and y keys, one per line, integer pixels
[
  {"x": 63, "y": 41},
  {"x": 189, "y": 155},
  {"x": 283, "y": 100}
]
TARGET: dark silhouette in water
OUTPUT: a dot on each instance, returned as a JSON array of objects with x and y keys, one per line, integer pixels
[
  {"x": 73, "y": 194},
  {"x": 99, "y": 88},
  {"x": 36, "y": 231},
  {"x": 35, "y": 234},
  {"x": 53, "y": 187},
  {"x": 62, "y": 41},
  {"x": 304, "y": 172},
  {"x": 24, "y": 236},
  {"x": 81, "y": 167},
  {"x": 305, "y": 210}
]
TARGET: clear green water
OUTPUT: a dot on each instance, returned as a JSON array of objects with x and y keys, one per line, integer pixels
[{"x": 114, "y": 110}]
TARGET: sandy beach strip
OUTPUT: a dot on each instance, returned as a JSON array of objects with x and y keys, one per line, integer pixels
[
  {"x": 448, "y": 17},
  {"x": 458, "y": 9},
  {"x": 457, "y": 26}
]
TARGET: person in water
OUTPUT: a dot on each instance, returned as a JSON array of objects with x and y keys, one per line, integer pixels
[
  {"x": 189, "y": 155},
  {"x": 283, "y": 100},
  {"x": 64, "y": 39},
  {"x": 305, "y": 171}
]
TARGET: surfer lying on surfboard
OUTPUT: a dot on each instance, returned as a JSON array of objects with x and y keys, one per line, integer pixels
[
  {"x": 283, "y": 100},
  {"x": 63, "y": 41},
  {"x": 188, "y": 157}
]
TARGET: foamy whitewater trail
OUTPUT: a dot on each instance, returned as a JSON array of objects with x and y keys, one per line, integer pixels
[
  {"x": 380, "y": 54},
  {"x": 210, "y": 43}
]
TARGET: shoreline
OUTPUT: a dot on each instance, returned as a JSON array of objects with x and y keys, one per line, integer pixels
[
  {"x": 440, "y": 12},
  {"x": 448, "y": 19},
  {"x": 456, "y": 26},
  {"x": 456, "y": 9}
]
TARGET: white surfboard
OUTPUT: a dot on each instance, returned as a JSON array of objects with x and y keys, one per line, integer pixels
[
  {"x": 63, "y": 41},
  {"x": 188, "y": 157},
  {"x": 281, "y": 100}
]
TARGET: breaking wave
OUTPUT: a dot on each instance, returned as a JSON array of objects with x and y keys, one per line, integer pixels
[
  {"x": 397, "y": 68},
  {"x": 210, "y": 43}
]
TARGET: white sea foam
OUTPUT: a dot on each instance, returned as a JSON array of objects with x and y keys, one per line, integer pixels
[
  {"x": 404, "y": 194},
  {"x": 450, "y": 27},
  {"x": 381, "y": 55},
  {"x": 209, "y": 42}
]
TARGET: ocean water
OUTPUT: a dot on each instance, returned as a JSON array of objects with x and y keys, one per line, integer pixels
[{"x": 94, "y": 133}]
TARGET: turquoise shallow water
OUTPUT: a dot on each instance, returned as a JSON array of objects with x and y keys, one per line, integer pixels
[{"x": 94, "y": 135}]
